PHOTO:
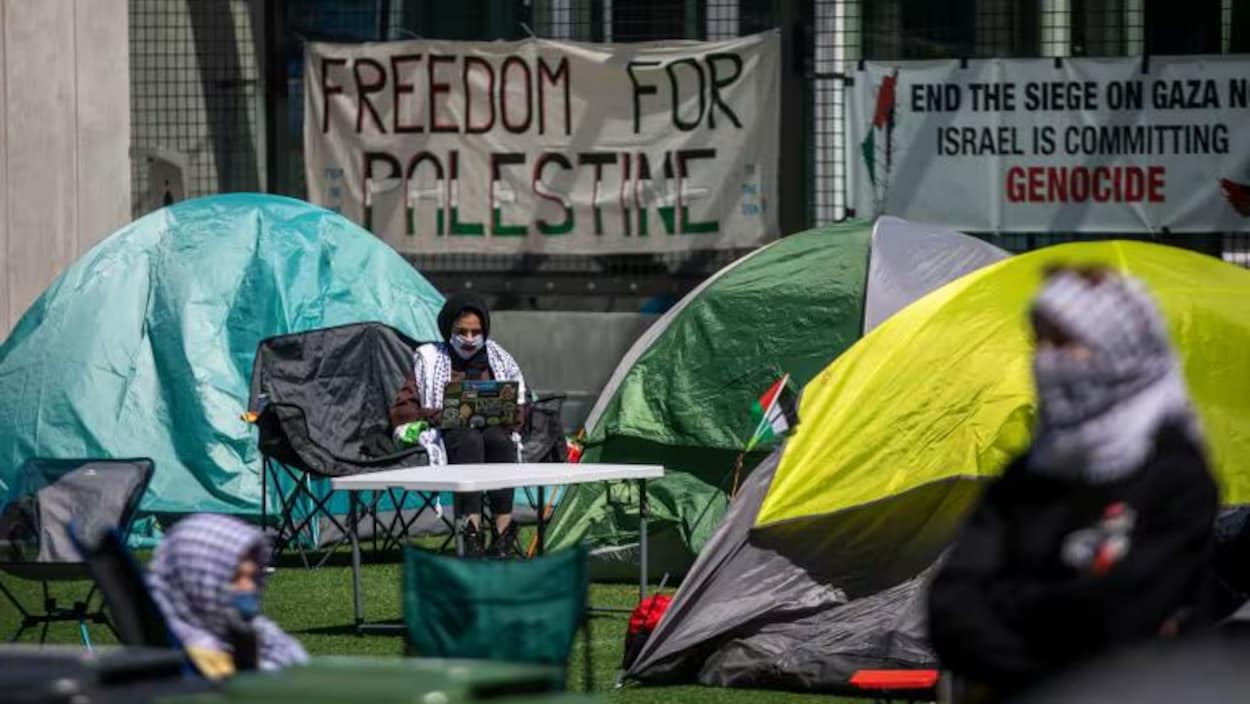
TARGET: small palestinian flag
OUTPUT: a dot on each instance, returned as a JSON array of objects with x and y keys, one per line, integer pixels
[
  {"x": 775, "y": 413},
  {"x": 880, "y": 137}
]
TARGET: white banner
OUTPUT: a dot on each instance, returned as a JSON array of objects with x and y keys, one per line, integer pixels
[
  {"x": 1047, "y": 145},
  {"x": 547, "y": 146}
]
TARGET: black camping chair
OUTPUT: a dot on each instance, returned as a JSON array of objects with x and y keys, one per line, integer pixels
[
  {"x": 320, "y": 400},
  {"x": 35, "y": 540},
  {"x": 543, "y": 437},
  {"x": 542, "y": 440}
]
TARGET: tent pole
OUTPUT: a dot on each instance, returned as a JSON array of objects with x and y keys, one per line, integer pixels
[{"x": 642, "y": 539}]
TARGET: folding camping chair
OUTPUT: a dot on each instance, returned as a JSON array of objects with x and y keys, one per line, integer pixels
[
  {"x": 320, "y": 400},
  {"x": 526, "y": 611},
  {"x": 47, "y": 495},
  {"x": 136, "y": 618}
]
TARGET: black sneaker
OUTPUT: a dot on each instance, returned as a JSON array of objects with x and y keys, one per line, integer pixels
[
  {"x": 505, "y": 542},
  {"x": 474, "y": 545}
]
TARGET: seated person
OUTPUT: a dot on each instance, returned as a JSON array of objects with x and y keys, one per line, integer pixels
[
  {"x": 1099, "y": 536},
  {"x": 467, "y": 352},
  {"x": 207, "y": 576}
]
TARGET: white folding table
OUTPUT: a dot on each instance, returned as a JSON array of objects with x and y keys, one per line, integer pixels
[{"x": 466, "y": 478}]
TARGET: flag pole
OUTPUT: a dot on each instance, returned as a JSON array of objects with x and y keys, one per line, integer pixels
[
  {"x": 737, "y": 473},
  {"x": 756, "y": 435},
  {"x": 764, "y": 420}
]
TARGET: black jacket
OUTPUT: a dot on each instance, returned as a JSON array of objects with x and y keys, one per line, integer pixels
[{"x": 1006, "y": 609}]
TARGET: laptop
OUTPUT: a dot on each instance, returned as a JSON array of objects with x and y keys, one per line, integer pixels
[{"x": 479, "y": 404}]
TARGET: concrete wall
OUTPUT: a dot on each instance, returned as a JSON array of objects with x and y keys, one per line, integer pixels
[
  {"x": 65, "y": 128},
  {"x": 569, "y": 353},
  {"x": 198, "y": 94}
]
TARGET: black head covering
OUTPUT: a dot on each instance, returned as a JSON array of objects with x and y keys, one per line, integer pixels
[{"x": 458, "y": 303}]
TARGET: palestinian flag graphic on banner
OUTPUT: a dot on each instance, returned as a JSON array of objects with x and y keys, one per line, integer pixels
[
  {"x": 878, "y": 147},
  {"x": 774, "y": 414}
]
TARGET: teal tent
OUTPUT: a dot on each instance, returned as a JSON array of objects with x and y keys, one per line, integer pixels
[{"x": 144, "y": 346}]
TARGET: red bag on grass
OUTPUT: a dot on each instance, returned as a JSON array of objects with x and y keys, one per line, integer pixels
[{"x": 641, "y": 623}]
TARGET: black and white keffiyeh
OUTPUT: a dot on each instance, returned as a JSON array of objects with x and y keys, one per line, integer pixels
[
  {"x": 190, "y": 576},
  {"x": 432, "y": 371},
  {"x": 1098, "y": 414}
]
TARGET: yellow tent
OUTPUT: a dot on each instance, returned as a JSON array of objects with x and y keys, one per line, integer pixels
[{"x": 895, "y": 433}]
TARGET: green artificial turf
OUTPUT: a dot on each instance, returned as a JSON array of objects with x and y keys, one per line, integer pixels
[{"x": 316, "y": 606}]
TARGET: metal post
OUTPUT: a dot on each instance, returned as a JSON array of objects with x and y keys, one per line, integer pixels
[
  {"x": 1056, "y": 23},
  {"x": 353, "y": 521},
  {"x": 1134, "y": 28},
  {"x": 642, "y": 539}
]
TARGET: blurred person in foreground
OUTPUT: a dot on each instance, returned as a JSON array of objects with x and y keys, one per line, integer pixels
[
  {"x": 1099, "y": 536},
  {"x": 207, "y": 576}
]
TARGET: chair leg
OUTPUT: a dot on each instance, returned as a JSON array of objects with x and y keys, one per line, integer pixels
[
  {"x": 49, "y": 606},
  {"x": 319, "y": 509},
  {"x": 394, "y": 537},
  {"x": 13, "y": 600},
  {"x": 289, "y": 530},
  {"x": 113, "y": 630},
  {"x": 398, "y": 538},
  {"x": 86, "y": 637},
  {"x": 99, "y": 615},
  {"x": 303, "y": 490},
  {"x": 286, "y": 525}
]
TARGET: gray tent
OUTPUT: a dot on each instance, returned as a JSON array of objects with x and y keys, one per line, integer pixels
[{"x": 748, "y": 616}]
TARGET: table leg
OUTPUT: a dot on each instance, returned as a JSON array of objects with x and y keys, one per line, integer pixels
[
  {"x": 642, "y": 539},
  {"x": 542, "y": 524},
  {"x": 458, "y": 529},
  {"x": 353, "y": 530}
]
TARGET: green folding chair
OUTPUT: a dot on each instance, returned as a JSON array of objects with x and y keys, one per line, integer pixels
[{"x": 523, "y": 611}]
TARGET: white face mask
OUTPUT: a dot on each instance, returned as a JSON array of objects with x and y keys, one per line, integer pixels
[{"x": 467, "y": 347}]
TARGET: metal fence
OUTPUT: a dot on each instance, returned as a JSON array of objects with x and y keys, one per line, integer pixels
[
  {"x": 197, "y": 99},
  {"x": 216, "y": 85}
]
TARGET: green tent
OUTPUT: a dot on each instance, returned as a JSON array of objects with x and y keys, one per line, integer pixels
[
  {"x": 682, "y": 395},
  {"x": 144, "y": 346}
]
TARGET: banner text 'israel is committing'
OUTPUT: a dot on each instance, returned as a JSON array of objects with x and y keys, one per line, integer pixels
[
  {"x": 545, "y": 146},
  {"x": 1031, "y": 145}
]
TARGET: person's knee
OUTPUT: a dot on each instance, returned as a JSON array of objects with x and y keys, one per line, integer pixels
[
  {"x": 501, "y": 501},
  {"x": 468, "y": 504},
  {"x": 499, "y": 446}
]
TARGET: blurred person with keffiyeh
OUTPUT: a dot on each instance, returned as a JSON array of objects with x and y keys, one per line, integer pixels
[
  {"x": 466, "y": 352},
  {"x": 1100, "y": 535},
  {"x": 206, "y": 577}
]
